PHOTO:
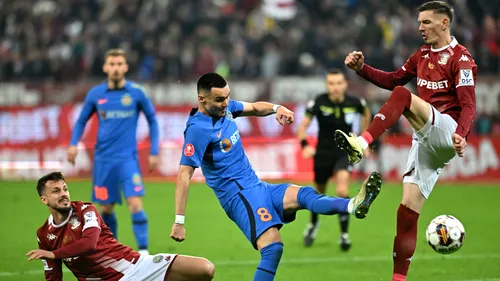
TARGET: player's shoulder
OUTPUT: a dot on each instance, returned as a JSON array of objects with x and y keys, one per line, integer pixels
[
  {"x": 136, "y": 87},
  {"x": 80, "y": 206},
  {"x": 42, "y": 230},
  {"x": 196, "y": 122},
  {"x": 99, "y": 88},
  {"x": 462, "y": 54}
]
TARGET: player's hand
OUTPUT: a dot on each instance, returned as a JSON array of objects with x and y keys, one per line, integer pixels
[
  {"x": 72, "y": 153},
  {"x": 40, "y": 254},
  {"x": 308, "y": 152},
  {"x": 284, "y": 113},
  {"x": 178, "y": 232},
  {"x": 355, "y": 60},
  {"x": 459, "y": 144},
  {"x": 153, "y": 161}
]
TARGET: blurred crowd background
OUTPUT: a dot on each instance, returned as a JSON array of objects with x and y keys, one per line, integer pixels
[{"x": 171, "y": 40}]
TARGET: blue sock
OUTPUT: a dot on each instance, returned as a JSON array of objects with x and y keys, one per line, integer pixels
[
  {"x": 111, "y": 222},
  {"x": 309, "y": 198},
  {"x": 140, "y": 226},
  {"x": 271, "y": 256}
]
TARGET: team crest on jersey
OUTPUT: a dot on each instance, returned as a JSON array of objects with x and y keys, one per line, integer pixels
[
  {"x": 444, "y": 57},
  {"x": 157, "y": 259},
  {"x": 229, "y": 116},
  {"x": 102, "y": 113},
  {"x": 136, "y": 178},
  {"x": 126, "y": 100},
  {"x": 75, "y": 223}
]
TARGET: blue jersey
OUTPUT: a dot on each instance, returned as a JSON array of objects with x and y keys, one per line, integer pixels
[
  {"x": 118, "y": 112},
  {"x": 214, "y": 144}
]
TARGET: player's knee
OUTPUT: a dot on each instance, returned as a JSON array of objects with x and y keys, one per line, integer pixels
[
  {"x": 304, "y": 196},
  {"x": 107, "y": 209},
  {"x": 134, "y": 204},
  {"x": 207, "y": 270}
]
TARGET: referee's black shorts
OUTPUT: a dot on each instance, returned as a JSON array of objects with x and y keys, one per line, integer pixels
[{"x": 326, "y": 165}]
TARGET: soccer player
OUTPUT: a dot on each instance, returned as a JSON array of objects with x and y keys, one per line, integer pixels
[
  {"x": 118, "y": 103},
  {"x": 441, "y": 116},
  {"x": 76, "y": 234},
  {"x": 333, "y": 110},
  {"x": 212, "y": 141}
]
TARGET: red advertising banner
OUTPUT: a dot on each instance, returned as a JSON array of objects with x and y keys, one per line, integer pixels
[{"x": 34, "y": 141}]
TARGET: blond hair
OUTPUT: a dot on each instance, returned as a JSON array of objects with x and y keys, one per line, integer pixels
[{"x": 116, "y": 53}]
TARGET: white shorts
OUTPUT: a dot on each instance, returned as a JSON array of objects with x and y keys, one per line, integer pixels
[
  {"x": 149, "y": 268},
  {"x": 431, "y": 150}
]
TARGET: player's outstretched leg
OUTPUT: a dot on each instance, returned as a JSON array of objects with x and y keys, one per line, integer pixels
[
  {"x": 189, "y": 268},
  {"x": 109, "y": 217},
  {"x": 387, "y": 116},
  {"x": 271, "y": 250},
  {"x": 308, "y": 198},
  {"x": 312, "y": 228}
]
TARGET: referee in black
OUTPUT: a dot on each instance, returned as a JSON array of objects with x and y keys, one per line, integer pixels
[{"x": 334, "y": 110}]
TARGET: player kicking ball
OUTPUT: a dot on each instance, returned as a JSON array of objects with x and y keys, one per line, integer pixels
[
  {"x": 76, "y": 234},
  {"x": 441, "y": 117},
  {"x": 212, "y": 142}
]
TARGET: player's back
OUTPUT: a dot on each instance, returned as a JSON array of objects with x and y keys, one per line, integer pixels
[
  {"x": 215, "y": 145},
  {"x": 118, "y": 113},
  {"x": 440, "y": 72},
  {"x": 110, "y": 258}
]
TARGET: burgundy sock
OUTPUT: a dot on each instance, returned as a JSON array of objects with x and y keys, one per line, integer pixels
[
  {"x": 388, "y": 115},
  {"x": 404, "y": 242}
]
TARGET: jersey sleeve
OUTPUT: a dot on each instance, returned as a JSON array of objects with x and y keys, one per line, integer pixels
[
  {"x": 53, "y": 268},
  {"x": 91, "y": 217},
  {"x": 235, "y": 107},
  {"x": 311, "y": 109},
  {"x": 87, "y": 111},
  {"x": 154, "y": 131},
  {"x": 196, "y": 141},
  {"x": 389, "y": 80},
  {"x": 465, "y": 71}
]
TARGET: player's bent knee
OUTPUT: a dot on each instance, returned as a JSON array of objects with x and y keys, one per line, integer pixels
[
  {"x": 107, "y": 208},
  {"x": 290, "y": 199},
  {"x": 191, "y": 268},
  {"x": 412, "y": 197},
  {"x": 134, "y": 204}
]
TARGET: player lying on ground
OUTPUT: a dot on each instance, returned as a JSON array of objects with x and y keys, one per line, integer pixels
[
  {"x": 212, "y": 141},
  {"x": 333, "y": 110},
  {"x": 441, "y": 116},
  {"x": 118, "y": 104},
  {"x": 76, "y": 235}
]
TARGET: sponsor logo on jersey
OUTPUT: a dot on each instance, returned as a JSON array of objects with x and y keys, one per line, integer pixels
[
  {"x": 426, "y": 56},
  {"x": 430, "y": 65},
  {"x": 126, "y": 100},
  {"x": 89, "y": 216},
  {"x": 379, "y": 115},
  {"x": 46, "y": 265},
  {"x": 84, "y": 206},
  {"x": 189, "y": 150},
  {"x": 431, "y": 85},
  {"x": 226, "y": 144},
  {"x": 466, "y": 78},
  {"x": 51, "y": 237},
  {"x": 229, "y": 116},
  {"x": 116, "y": 114},
  {"x": 444, "y": 58},
  {"x": 136, "y": 179},
  {"x": 464, "y": 58},
  {"x": 70, "y": 259}
]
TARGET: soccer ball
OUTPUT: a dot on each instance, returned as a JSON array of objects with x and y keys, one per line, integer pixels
[{"x": 445, "y": 234}]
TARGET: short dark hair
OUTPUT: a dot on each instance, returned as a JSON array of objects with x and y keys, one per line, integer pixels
[
  {"x": 335, "y": 71},
  {"x": 54, "y": 176},
  {"x": 209, "y": 81},
  {"x": 439, "y": 7}
]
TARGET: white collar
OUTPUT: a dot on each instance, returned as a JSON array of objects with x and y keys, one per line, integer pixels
[
  {"x": 51, "y": 220},
  {"x": 452, "y": 44}
]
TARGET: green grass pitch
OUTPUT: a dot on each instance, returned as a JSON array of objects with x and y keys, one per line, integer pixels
[{"x": 212, "y": 235}]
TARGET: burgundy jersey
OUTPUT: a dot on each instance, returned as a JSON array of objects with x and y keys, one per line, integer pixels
[
  {"x": 109, "y": 260},
  {"x": 445, "y": 79}
]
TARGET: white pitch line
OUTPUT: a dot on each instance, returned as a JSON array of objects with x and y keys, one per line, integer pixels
[
  {"x": 488, "y": 279},
  {"x": 311, "y": 261}
]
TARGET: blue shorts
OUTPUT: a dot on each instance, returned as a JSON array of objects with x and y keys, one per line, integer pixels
[
  {"x": 109, "y": 178},
  {"x": 258, "y": 208}
]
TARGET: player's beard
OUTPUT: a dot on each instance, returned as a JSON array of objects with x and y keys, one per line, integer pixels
[{"x": 59, "y": 207}]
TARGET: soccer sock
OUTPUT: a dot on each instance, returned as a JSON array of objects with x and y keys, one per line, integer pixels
[
  {"x": 309, "y": 198},
  {"x": 140, "y": 226},
  {"x": 111, "y": 222},
  {"x": 404, "y": 242},
  {"x": 389, "y": 114},
  {"x": 314, "y": 218},
  {"x": 344, "y": 222},
  {"x": 270, "y": 259}
]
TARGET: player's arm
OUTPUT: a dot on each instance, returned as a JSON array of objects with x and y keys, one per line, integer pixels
[
  {"x": 304, "y": 124},
  {"x": 196, "y": 141},
  {"x": 88, "y": 241},
  {"x": 52, "y": 267},
  {"x": 262, "y": 108},
  {"x": 383, "y": 79},
  {"x": 87, "y": 111},
  {"x": 465, "y": 75},
  {"x": 154, "y": 131}
]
